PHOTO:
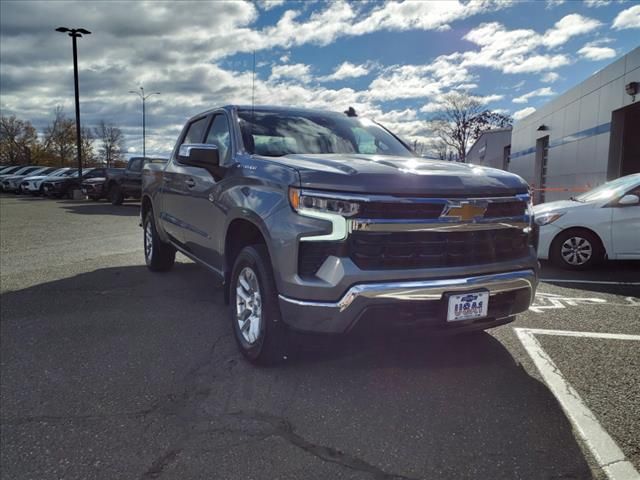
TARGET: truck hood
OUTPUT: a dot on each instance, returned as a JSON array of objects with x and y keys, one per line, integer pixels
[{"x": 382, "y": 174}]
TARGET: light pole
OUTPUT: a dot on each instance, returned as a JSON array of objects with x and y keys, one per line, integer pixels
[
  {"x": 144, "y": 98},
  {"x": 74, "y": 33}
]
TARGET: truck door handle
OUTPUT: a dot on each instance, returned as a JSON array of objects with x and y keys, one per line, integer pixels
[{"x": 190, "y": 183}]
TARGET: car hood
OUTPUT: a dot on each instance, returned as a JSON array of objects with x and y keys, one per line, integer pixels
[
  {"x": 382, "y": 174},
  {"x": 13, "y": 177},
  {"x": 95, "y": 180},
  {"x": 559, "y": 206},
  {"x": 35, "y": 177}
]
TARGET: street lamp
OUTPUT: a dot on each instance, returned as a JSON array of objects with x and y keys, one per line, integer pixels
[
  {"x": 74, "y": 33},
  {"x": 144, "y": 98}
]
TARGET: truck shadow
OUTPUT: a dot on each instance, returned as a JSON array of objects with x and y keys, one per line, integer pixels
[
  {"x": 97, "y": 208},
  {"x": 123, "y": 339}
]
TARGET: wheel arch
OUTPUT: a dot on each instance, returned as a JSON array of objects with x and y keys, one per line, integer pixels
[
  {"x": 145, "y": 206},
  {"x": 241, "y": 232}
]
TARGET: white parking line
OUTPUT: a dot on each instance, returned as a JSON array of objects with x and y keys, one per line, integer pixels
[
  {"x": 605, "y": 450},
  {"x": 596, "y": 282}
]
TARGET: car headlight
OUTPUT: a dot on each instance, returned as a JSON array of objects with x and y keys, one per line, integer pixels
[
  {"x": 546, "y": 218},
  {"x": 302, "y": 202}
]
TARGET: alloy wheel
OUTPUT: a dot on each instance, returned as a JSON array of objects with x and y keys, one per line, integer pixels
[
  {"x": 248, "y": 305},
  {"x": 576, "y": 251},
  {"x": 148, "y": 241}
]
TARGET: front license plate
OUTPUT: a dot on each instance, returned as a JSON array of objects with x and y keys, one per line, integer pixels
[{"x": 468, "y": 306}]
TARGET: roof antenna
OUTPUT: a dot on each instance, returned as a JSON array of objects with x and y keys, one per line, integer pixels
[
  {"x": 351, "y": 112},
  {"x": 253, "y": 87}
]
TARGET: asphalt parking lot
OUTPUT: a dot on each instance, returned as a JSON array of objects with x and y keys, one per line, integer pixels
[{"x": 109, "y": 371}]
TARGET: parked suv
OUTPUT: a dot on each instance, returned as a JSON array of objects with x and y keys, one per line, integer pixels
[
  {"x": 323, "y": 222},
  {"x": 12, "y": 182},
  {"x": 64, "y": 186}
]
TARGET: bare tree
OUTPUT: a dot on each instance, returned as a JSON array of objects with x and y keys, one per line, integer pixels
[
  {"x": 443, "y": 151},
  {"x": 86, "y": 141},
  {"x": 112, "y": 142},
  {"x": 59, "y": 137},
  {"x": 18, "y": 139},
  {"x": 461, "y": 122}
]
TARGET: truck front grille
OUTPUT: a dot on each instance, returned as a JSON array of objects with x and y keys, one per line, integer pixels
[
  {"x": 375, "y": 251},
  {"x": 379, "y": 239},
  {"x": 378, "y": 210}
]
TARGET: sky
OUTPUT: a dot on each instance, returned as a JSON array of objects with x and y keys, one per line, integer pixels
[{"x": 392, "y": 61}]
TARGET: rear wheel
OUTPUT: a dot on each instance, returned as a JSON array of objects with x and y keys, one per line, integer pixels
[
  {"x": 158, "y": 255},
  {"x": 577, "y": 249},
  {"x": 255, "y": 314},
  {"x": 116, "y": 197}
]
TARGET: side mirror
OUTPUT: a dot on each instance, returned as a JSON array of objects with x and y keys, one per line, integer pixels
[
  {"x": 199, "y": 155},
  {"x": 629, "y": 200}
]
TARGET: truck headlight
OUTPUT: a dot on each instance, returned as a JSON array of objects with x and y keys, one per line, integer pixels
[
  {"x": 323, "y": 207},
  {"x": 319, "y": 203},
  {"x": 546, "y": 218}
]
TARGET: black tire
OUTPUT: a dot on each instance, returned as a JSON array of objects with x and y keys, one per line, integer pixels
[
  {"x": 116, "y": 197},
  {"x": 576, "y": 249},
  {"x": 269, "y": 345},
  {"x": 159, "y": 256}
]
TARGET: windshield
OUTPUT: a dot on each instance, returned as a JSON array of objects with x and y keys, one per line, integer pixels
[
  {"x": 8, "y": 170},
  {"x": 610, "y": 189},
  {"x": 278, "y": 133}
]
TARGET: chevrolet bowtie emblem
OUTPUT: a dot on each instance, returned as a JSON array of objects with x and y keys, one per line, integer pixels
[{"x": 464, "y": 211}]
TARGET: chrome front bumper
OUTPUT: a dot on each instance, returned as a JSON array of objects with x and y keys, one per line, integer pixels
[{"x": 340, "y": 316}]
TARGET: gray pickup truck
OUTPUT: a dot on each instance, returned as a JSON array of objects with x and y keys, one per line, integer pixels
[{"x": 325, "y": 222}]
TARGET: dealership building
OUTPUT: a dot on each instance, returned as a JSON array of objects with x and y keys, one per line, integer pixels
[{"x": 584, "y": 137}]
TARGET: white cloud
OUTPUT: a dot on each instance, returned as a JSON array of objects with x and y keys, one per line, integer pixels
[
  {"x": 550, "y": 77},
  {"x": 597, "y": 3},
  {"x": 342, "y": 19},
  {"x": 347, "y": 70},
  {"x": 524, "y": 50},
  {"x": 520, "y": 114},
  {"x": 553, "y": 3},
  {"x": 297, "y": 71},
  {"x": 592, "y": 51},
  {"x": 540, "y": 92},
  {"x": 269, "y": 4},
  {"x": 567, "y": 27},
  {"x": 629, "y": 18}
]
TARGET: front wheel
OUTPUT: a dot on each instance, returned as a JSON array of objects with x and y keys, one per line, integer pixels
[
  {"x": 576, "y": 250},
  {"x": 255, "y": 315},
  {"x": 158, "y": 255},
  {"x": 116, "y": 197}
]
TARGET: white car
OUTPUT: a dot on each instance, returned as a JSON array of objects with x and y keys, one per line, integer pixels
[
  {"x": 33, "y": 185},
  {"x": 603, "y": 222}
]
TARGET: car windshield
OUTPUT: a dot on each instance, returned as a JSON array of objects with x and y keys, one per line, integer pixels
[
  {"x": 279, "y": 133},
  {"x": 610, "y": 189},
  {"x": 8, "y": 170}
]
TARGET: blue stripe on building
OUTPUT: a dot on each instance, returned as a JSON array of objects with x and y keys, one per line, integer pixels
[{"x": 574, "y": 137}]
